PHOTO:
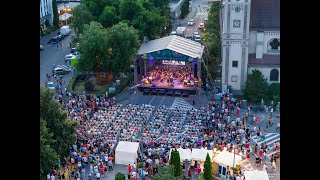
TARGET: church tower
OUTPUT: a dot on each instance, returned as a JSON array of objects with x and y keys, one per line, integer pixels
[{"x": 235, "y": 16}]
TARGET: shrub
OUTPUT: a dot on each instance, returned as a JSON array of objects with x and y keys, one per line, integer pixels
[
  {"x": 120, "y": 176},
  {"x": 89, "y": 86}
]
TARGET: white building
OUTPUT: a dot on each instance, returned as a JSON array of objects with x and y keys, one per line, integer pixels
[
  {"x": 250, "y": 40},
  {"x": 45, "y": 12}
]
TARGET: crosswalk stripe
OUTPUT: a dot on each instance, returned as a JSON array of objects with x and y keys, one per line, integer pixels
[
  {"x": 267, "y": 139},
  {"x": 269, "y": 143},
  {"x": 255, "y": 138},
  {"x": 181, "y": 103},
  {"x": 202, "y": 13}
]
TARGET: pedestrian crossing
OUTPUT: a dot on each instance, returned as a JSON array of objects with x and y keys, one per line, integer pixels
[
  {"x": 179, "y": 102},
  {"x": 202, "y": 14},
  {"x": 270, "y": 139}
]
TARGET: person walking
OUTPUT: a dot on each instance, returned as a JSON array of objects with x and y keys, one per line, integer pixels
[{"x": 278, "y": 126}]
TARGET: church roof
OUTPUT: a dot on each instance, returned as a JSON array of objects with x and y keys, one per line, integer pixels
[
  {"x": 265, "y": 15},
  {"x": 265, "y": 61},
  {"x": 174, "y": 43}
]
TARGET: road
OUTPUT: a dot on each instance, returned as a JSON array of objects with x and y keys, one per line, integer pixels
[
  {"x": 198, "y": 12},
  {"x": 51, "y": 55}
]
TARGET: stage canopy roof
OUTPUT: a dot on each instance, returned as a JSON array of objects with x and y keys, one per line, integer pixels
[
  {"x": 171, "y": 48},
  {"x": 256, "y": 175}
]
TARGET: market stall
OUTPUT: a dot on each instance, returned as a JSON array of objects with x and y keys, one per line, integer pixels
[
  {"x": 199, "y": 156},
  {"x": 184, "y": 154},
  {"x": 224, "y": 161},
  {"x": 256, "y": 175},
  {"x": 126, "y": 152}
]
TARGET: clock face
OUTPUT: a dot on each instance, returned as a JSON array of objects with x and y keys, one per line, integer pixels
[
  {"x": 237, "y": 9},
  {"x": 236, "y": 23}
]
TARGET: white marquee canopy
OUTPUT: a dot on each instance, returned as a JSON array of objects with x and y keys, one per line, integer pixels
[{"x": 126, "y": 152}]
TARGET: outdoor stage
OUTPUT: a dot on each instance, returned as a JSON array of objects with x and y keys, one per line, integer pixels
[{"x": 169, "y": 66}]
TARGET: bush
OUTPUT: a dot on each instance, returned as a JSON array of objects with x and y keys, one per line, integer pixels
[
  {"x": 120, "y": 176},
  {"x": 274, "y": 92},
  {"x": 89, "y": 86}
]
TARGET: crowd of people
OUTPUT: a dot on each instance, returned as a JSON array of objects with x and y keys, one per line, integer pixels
[
  {"x": 103, "y": 122},
  {"x": 170, "y": 76}
]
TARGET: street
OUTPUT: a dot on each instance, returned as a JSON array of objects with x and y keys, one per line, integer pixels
[{"x": 53, "y": 55}]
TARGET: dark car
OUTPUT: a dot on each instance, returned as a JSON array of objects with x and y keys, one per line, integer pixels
[
  {"x": 188, "y": 37},
  {"x": 55, "y": 39},
  {"x": 61, "y": 37}
]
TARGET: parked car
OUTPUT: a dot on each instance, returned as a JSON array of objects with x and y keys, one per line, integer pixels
[
  {"x": 73, "y": 50},
  {"x": 69, "y": 57},
  {"x": 173, "y": 33},
  {"x": 51, "y": 86},
  {"x": 201, "y": 25},
  {"x": 196, "y": 33},
  {"x": 60, "y": 71},
  {"x": 55, "y": 39},
  {"x": 197, "y": 38},
  {"x": 191, "y": 22},
  {"x": 41, "y": 47}
]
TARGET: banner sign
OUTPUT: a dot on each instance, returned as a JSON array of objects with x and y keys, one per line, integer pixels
[{"x": 173, "y": 62}]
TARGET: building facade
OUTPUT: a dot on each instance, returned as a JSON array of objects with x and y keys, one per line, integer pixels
[
  {"x": 250, "y": 40},
  {"x": 45, "y": 13}
]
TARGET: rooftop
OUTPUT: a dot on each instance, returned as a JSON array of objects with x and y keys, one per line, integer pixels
[
  {"x": 265, "y": 15},
  {"x": 175, "y": 43},
  {"x": 266, "y": 60}
]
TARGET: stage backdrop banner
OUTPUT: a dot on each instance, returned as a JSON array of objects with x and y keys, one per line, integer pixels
[
  {"x": 167, "y": 54},
  {"x": 173, "y": 62}
]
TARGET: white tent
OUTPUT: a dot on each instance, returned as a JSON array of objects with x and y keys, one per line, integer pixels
[
  {"x": 200, "y": 154},
  {"x": 64, "y": 16},
  {"x": 256, "y": 175},
  {"x": 226, "y": 158},
  {"x": 126, "y": 152},
  {"x": 184, "y": 154}
]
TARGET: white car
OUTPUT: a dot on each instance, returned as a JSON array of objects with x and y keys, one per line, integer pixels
[
  {"x": 195, "y": 33},
  {"x": 51, "y": 86},
  {"x": 69, "y": 57},
  {"x": 191, "y": 22},
  {"x": 173, "y": 33}
]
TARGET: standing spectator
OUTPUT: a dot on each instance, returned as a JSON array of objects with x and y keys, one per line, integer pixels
[
  {"x": 129, "y": 168},
  {"x": 278, "y": 126}
]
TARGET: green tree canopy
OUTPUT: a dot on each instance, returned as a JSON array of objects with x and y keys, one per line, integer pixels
[
  {"x": 129, "y": 9},
  {"x": 56, "y": 131},
  {"x": 185, "y": 9},
  {"x": 165, "y": 173},
  {"x": 256, "y": 87},
  {"x": 93, "y": 48},
  {"x": 55, "y": 13},
  {"x": 48, "y": 155},
  {"x": 109, "y": 17},
  {"x": 124, "y": 42},
  {"x": 120, "y": 176},
  {"x": 274, "y": 92},
  {"x": 149, "y": 23},
  {"x": 81, "y": 16},
  {"x": 175, "y": 161},
  {"x": 208, "y": 168}
]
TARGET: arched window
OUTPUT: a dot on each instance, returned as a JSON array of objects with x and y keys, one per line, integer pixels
[
  {"x": 274, "y": 75},
  {"x": 275, "y": 44}
]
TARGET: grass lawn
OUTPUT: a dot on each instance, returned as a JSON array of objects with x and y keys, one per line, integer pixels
[{"x": 98, "y": 88}]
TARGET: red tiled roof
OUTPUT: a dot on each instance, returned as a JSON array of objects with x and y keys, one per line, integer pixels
[{"x": 266, "y": 60}]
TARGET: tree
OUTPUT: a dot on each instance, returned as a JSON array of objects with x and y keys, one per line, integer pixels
[
  {"x": 82, "y": 16},
  {"x": 124, "y": 43},
  {"x": 48, "y": 155},
  {"x": 55, "y": 13},
  {"x": 149, "y": 23},
  {"x": 63, "y": 130},
  {"x": 47, "y": 23},
  {"x": 175, "y": 161},
  {"x": 108, "y": 17},
  {"x": 129, "y": 9},
  {"x": 256, "y": 87},
  {"x": 207, "y": 168},
  {"x": 274, "y": 92},
  {"x": 185, "y": 9},
  {"x": 165, "y": 173},
  {"x": 93, "y": 48},
  {"x": 120, "y": 176}
]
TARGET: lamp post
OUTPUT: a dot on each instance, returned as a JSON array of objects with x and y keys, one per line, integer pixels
[{"x": 142, "y": 171}]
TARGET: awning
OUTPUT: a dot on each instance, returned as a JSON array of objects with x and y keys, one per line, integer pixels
[{"x": 64, "y": 16}]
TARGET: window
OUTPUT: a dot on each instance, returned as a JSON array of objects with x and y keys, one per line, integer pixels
[
  {"x": 274, "y": 44},
  {"x": 234, "y": 63},
  {"x": 236, "y": 23},
  {"x": 103, "y": 74},
  {"x": 274, "y": 75},
  {"x": 234, "y": 78}
]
